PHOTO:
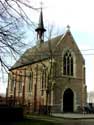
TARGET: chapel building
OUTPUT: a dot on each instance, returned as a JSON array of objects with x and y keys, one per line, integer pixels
[{"x": 52, "y": 73}]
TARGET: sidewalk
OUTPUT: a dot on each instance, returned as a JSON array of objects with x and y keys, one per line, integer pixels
[
  {"x": 66, "y": 119},
  {"x": 73, "y": 116},
  {"x": 62, "y": 116}
]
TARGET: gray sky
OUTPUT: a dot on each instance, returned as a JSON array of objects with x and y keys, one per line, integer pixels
[{"x": 79, "y": 15}]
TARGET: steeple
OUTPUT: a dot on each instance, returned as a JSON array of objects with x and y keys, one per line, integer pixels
[{"x": 40, "y": 29}]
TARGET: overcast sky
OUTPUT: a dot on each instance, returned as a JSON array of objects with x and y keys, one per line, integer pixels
[{"x": 79, "y": 15}]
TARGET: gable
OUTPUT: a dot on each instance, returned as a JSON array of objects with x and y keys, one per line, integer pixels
[{"x": 67, "y": 42}]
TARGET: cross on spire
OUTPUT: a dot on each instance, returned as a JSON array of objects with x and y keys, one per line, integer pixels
[{"x": 41, "y": 4}]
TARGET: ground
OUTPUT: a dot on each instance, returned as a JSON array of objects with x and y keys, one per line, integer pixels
[{"x": 50, "y": 120}]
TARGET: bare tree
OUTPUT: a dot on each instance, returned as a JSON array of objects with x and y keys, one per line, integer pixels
[
  {"x": 50, "y": 68},
  {"x": 12, "y": 18}
]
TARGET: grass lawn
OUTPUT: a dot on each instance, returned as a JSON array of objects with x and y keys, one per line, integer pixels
[
  {"x": 30, "y": 122},
  {"x": 35, "y": 122}
]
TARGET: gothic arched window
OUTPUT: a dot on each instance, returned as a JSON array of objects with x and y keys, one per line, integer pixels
[
  {"x": 68, "y": 63},
  {"x": 20, "y": 83},
  {"x": 44, "y": 78},
  {"x": 30, "y": 81}
]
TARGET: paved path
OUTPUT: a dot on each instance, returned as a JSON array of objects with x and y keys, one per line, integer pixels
[
  {"x": 74, "y": 115},
  {"x": 66, "y": 119}
]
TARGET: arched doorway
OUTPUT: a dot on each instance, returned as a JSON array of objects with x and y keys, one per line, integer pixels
[{"x": 68, "y": 100}]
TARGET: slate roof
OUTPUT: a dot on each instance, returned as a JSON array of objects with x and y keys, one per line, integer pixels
[{"x": 36, "y": 53}]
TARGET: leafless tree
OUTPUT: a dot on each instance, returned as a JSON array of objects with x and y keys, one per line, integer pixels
[
  {"x": 51, "y": 32},
  {"x": 12, "y": 20}
]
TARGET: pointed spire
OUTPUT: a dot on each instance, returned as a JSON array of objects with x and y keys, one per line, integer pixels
[{"x": 40, "y": 29}]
